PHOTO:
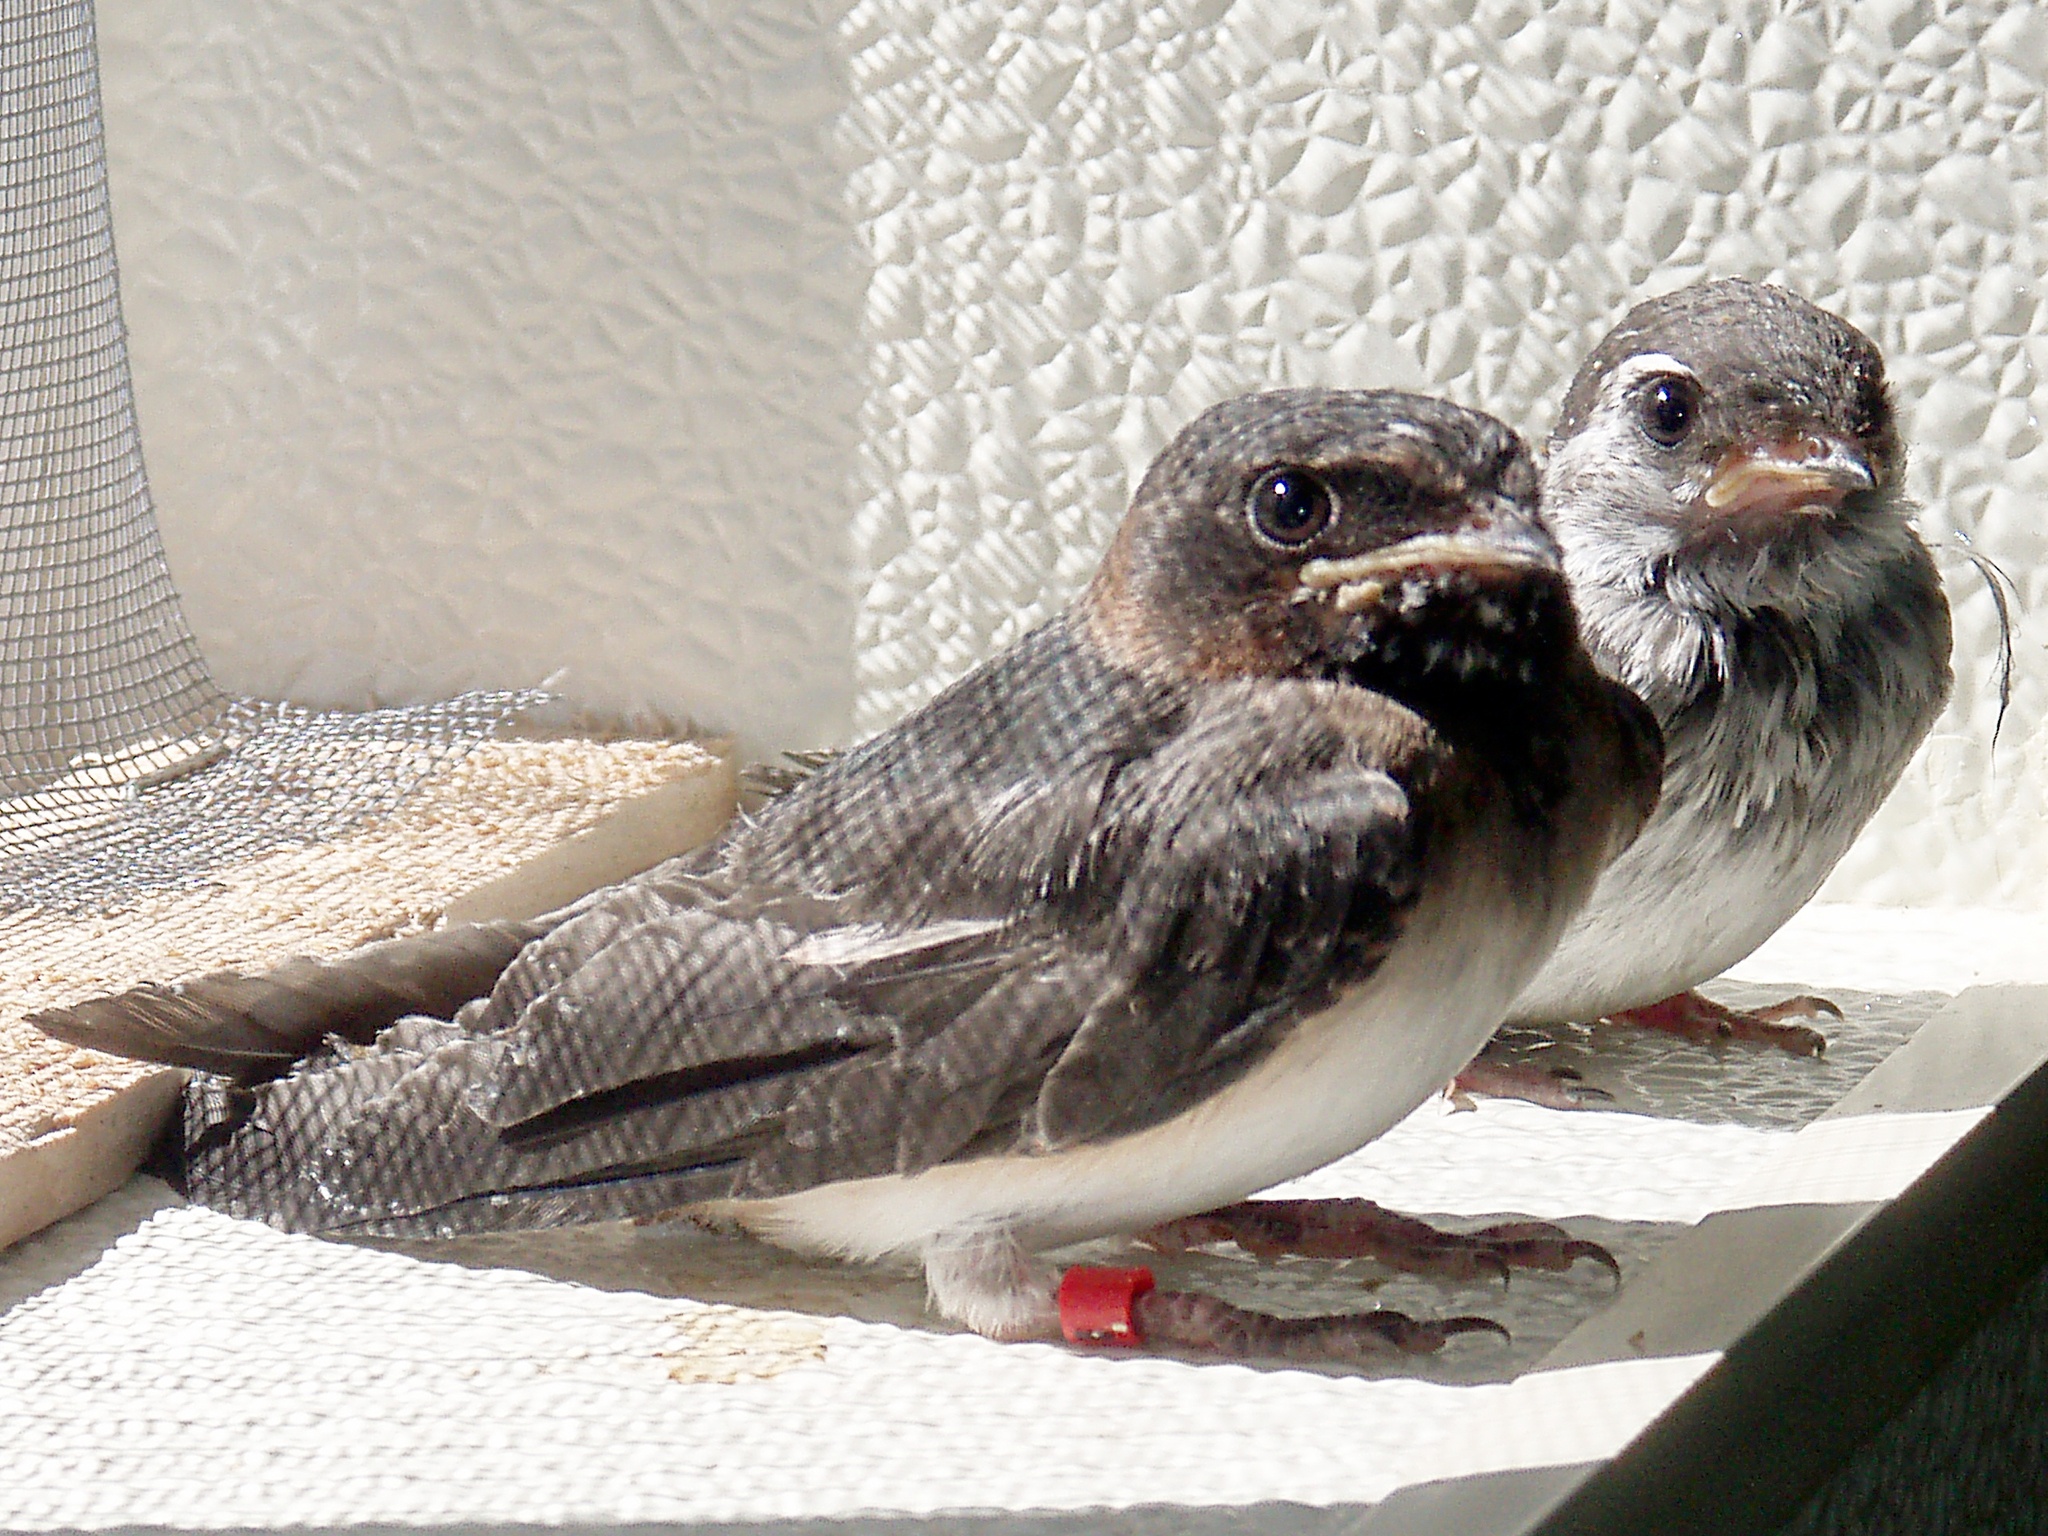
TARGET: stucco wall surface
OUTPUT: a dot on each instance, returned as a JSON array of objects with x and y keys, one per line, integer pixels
[
  {"x": 771, "y": 364},
  {"x": 487, "y": 341}
]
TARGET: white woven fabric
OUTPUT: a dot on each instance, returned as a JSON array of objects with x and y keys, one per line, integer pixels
[
  {"x": 208, "y": 1373},
  {"x": 1559, "y": 1418},
  {"x": 160, "y": 1365},
  {"x": 1502, "y": 1155},
  {"x": 1901, "y": 949},
  {"x": 202, "y": 1372}
]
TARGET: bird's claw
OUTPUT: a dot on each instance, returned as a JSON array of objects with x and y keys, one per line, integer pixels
[
  {"x": 1551, "y": 1087},
  {"x": 1704, "y": 1021},
  {"x": 1804, "y": 1006},
  {"x": 1192, "y": 1321},
  {"x": 1360, "y": 1229},
  {"x": 1542, "y": 1245}
]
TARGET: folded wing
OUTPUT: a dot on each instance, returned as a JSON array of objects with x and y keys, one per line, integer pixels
[{"x": 707, "y": 1032}]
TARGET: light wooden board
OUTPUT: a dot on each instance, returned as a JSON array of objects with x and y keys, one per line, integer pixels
[{"x": 513, "y": 829}]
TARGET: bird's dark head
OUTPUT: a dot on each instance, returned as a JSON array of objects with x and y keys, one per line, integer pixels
[
  {"x": 1378, "y": 537},
  {"x": 1730, "y": 434}
]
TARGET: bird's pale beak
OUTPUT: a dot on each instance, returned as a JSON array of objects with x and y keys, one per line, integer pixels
[
  {"x": 1359, "y": 580},
  {"x": 1783, "y": 477}
]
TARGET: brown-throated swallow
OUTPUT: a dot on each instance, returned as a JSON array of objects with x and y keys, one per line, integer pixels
[{"x": 1197, "y": 887}]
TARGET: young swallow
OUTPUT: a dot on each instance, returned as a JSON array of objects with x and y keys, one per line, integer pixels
[
  {"x": 1726, "y": 481},
  {"x": 1197, "y": 887}
]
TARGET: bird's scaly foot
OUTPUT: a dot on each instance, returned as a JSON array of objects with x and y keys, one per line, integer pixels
[
  {"x": 1189, "y": 1320},
  {"x": 1359, "y": 1229},
  {"x": 1693, "y": 1017},
  {"x": 1119, "y": 1308},
  {"x": 1551, "y": 1087}
]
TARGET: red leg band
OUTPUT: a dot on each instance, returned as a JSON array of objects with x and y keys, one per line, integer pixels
[{"x": 1095, "y": 1304}]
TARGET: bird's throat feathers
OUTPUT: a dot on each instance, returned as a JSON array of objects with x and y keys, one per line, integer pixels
[{"x": 1483, "y": 662}]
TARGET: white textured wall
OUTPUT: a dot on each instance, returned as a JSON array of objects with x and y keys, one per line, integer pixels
[
  {"x": 479, "y": 340},
  {"x": 453, "y": 305}
]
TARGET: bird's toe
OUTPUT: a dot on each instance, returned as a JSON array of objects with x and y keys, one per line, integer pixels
[
  {"x": 1203, "y": 1324},
  {"x": 1360, "y": 1229}
]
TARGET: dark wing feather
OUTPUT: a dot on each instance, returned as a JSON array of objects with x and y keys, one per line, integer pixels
[
  {"x": 674, "y": 1055},
  {"x": 379, "y": 1143},
  {"x": 251, "y": 1027},
  {"x": 1263, "y": 859}
]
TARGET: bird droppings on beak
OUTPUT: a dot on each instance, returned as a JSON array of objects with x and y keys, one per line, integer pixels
[
  {"x": 1422, "y": 566},
  {"x": 1359, "y": 594}
]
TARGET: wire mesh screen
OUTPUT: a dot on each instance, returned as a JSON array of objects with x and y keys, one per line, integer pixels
[
  {"x": 124, "y": 769},
  {"x": 278, "y": 776},
  {"x": 100, "y": 680}
]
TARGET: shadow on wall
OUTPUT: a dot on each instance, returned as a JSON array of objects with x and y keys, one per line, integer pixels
[{"x": 472, "y": 343}]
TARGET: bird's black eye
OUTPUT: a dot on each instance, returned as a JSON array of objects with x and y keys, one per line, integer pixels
[
  {"x": 1289, "y": 507},
  {"x": 1668, "y": 407}
]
